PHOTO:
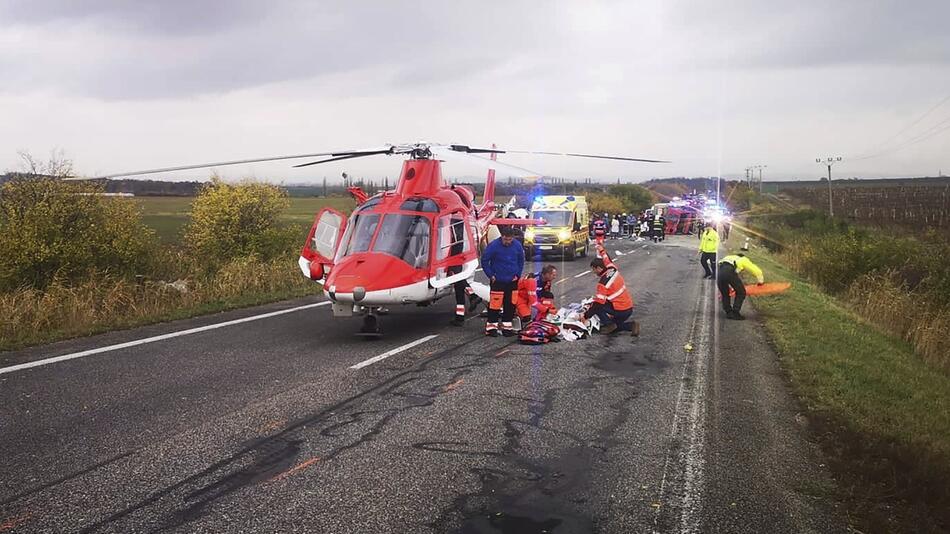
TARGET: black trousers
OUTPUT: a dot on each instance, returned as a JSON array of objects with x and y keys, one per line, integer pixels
[
  {"x": 729, "y": 278},
  {"x": 461, "y": 289},
  {"x": 708, "y": 261},
  {"x": 505, "y": 308}
]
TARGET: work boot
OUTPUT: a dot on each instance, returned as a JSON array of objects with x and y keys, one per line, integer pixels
[
  {"x": 473, "y": 302},
  {"x": 508, "y": 332},
  {"x": 635, "y": 329},
  {"x": 458, "y": 320},
  {"x": 737, "y": 316},
  {"x": 492, "y": 333},
  {"x": 608, "y": 328}
]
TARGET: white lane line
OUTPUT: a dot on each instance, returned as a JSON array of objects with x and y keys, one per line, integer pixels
[
  {"x": 561, "y": 281},
  {"x": 153, "y": 339},
  {"x": 396, "y": 350},
  {"x": 578, "y": 275}
]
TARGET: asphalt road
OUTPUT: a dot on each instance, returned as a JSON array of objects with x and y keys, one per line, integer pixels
[{"x": 263, "y": 426}]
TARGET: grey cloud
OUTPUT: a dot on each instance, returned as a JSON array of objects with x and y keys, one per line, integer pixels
[
  {"x": 172, "y": 17},
  {"x": 291, "y": 41},
  {"x": 811, "y": 33}
]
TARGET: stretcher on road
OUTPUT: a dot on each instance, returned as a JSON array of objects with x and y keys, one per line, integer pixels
[{"x": 771, "y": 288}]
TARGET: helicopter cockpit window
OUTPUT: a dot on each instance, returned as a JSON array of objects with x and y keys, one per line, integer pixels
[
  {"x": 370, "y": 203},
  {"x": 405, "y": 237},
  {"x": 420, "y": 204},
  {"x": 453, "y": 239},
  {"x": 360, "y": 233}
]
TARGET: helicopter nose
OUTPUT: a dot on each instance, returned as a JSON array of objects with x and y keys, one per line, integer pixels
[{"x": 367, "y": 274}]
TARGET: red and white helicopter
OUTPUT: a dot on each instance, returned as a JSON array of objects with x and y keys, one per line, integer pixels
[{"x": 404, "y": 246}]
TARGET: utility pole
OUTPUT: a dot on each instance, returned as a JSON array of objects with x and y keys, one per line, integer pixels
[
  {"x": 829, "y": 161},
  {"x": 759, "y": 167},
  {"x": 748, "y": 176}
]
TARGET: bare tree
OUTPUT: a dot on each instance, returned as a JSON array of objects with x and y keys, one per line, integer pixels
[{"x": 57, "y": 166}]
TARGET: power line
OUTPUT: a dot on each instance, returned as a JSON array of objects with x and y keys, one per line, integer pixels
[
  {"x": 904, "y": 129},
  {"x": 933, "y": 131}
]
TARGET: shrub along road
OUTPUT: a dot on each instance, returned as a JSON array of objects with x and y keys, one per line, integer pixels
[{"x": 264, "y": 425}]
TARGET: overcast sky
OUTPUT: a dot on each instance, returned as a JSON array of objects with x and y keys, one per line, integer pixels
[{"x": 712, "y": 86}]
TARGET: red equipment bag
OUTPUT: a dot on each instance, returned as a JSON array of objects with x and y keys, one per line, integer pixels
[{"x": 539, "y": 333}]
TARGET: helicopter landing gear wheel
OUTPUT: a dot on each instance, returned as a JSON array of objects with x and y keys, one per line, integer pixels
[{"x": 370, "y": 328}]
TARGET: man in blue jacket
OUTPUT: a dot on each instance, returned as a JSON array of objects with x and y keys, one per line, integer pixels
[{"x": 503, "y": 262}]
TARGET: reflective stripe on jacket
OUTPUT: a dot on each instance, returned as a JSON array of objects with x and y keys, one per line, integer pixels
[{"x": 611, "y": 287}]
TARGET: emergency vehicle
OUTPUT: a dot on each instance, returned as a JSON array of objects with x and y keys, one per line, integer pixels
[{"x": 565, "y": 227}]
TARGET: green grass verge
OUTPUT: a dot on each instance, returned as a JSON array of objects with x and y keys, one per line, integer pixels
[
  {"x": 882, "y": 413},
  {"x": 169, "y": 215}
]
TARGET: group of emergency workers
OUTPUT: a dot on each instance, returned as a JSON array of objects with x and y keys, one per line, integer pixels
[
  {"x": 531, "y": 295},
  {"x": 628, "y": 225}
]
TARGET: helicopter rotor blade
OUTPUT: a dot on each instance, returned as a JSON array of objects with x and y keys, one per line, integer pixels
[
  {"x": 511, "y": 170},
  {"x": 238, "y": 162},
  {"x": 471, "y": 150},
  {"x": 346, "y": 156},
  {"x": 595, "y": 156}
]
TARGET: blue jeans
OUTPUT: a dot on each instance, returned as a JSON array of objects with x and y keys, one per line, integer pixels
[{"x": 607, "y": 314}]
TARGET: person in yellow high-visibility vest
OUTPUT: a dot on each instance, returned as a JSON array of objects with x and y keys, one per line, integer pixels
[
  {"x": 708, "y": 247},
  {"x": 729, "y": 269}
]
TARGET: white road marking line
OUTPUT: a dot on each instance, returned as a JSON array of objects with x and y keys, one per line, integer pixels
[
  {"x": 561, "y": 281},
  {"x": 479, "y": 269},
  {"x": 396, "y": 350},
  {"x": 153, "y": 339},
  {"x": 578, "y": 275}
]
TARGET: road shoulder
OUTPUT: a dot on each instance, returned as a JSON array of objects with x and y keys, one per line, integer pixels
[{"x": 761, "y": 454}]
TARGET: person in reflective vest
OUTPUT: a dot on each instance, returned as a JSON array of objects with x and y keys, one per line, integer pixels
[
  {"x": 502, "y": 262},
  {"x": 708, "y": 247},
  {"x": 612, "y": 304},
  {"x": 658, "y": 230},
  {"x": 534, "y": 293},
  {"x": 729, "y": 269}
]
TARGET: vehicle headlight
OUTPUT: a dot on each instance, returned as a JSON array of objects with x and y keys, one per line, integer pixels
[{"x": 564, "y": 235}]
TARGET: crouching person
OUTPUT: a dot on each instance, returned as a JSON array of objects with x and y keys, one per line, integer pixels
[{"x": 612, "y": 304}]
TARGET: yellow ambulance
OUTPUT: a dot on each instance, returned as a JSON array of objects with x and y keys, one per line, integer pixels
[{"x": 565, "y": 231}]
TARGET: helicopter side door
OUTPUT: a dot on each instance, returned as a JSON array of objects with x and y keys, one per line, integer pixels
[
  {"x": 316, "y": 257},
  {"x": 455, "y": 255}
]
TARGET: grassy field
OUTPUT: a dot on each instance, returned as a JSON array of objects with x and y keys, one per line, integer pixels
[
  {"x": 882, "y": 413},
  {"x": 169, "y": 215}
]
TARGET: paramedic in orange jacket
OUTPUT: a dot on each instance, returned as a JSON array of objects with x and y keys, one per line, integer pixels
[
  {"x": 612, "y": 302},
  {"x": 534, "y": 291}
]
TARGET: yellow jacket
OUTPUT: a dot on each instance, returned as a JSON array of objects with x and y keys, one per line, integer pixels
[
  {"x": 709, "y": 240},
  {"x": 742, "y": 263}
]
